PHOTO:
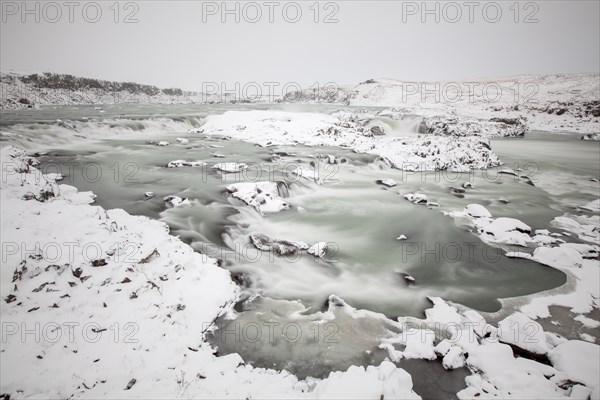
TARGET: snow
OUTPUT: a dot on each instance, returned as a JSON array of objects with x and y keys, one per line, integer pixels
[
  {"x": 586, "y": 228},
  {"x": 185, "y": 163},
  {"x": 271, "y": 128},
  {"x": 263, "y": 196},
  {"x": 593, "y": 206},
  {"x": 383, "y": 382},
  {"x": 523, "y": 332},
  {"x": 506, "y": 230},
  {"x": 176, "y": 201},
  {"x": 590, "y": 323},
  {"x": 501, "y": 230},
  {"x": 416, "y": 198},
  {"x": 477, "y": 211},
  {"x": 318, "y": 249},
  {"x": 580, "y": 361},
  {"x": 495, "y": 370},
  {"x": 504, "y": 376},
  {"x": 454, "y": 358},
  {"x": 388, "y": 182},
  {"x": 559, "y": 257}
]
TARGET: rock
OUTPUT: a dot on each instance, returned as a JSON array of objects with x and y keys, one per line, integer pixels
[
  {"x": 185, "y": 163},
  {"x": 591, "y": 136},
  {"x": 176, "y": 201},
  {"x": 99, "y": 263},
  {"x": 527, "y": 180},
  {"x": 130, "y": 384},
  {"x": 457, "y": 192},
  {"x": 182, "y": 140},
  {"x": 506, "y": 120},
  {"x": 508, "y": 172},
  {"x": 318, "y": 249},
  {"x": 279, "y": 247},
  {"x": 408, "y": 279},
  {"x": 454, "y": 358},
  {"x": 401, "y": 237},
  {"x": 520, "y": 331},
  {"x": 241, "y": 279},
  {"x": 386, "y": 182},
  {"x": 230, "y": 167},
  {"x": 263, "y": 196},
  {"x": 416, "y": 198},
  {"x": 477, "y": 211},
  {"x": 377, "y": 131}
]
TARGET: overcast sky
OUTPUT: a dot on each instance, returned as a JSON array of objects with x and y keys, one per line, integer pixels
[{"x": 185, "y": 43}]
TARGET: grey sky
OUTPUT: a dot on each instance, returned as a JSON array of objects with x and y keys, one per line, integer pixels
[{"x": 171, "y": 46}]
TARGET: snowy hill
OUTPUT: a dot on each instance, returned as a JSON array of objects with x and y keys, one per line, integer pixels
[
  {"x": 32, "y": 90},
  {"x": 563, "y": 103}
]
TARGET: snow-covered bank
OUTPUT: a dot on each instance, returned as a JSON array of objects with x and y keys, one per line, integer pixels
[
  {"x": 270, "y": 128},
  {"x": 98, "y": 303},
  {"x": 48, "y": 89},
  {"x": 496, "y": 107}
]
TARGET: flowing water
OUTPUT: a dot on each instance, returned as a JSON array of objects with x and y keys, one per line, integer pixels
[{"x": 283, "y": 320}]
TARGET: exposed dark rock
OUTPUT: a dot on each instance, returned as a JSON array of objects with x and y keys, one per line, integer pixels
[
  {"x": 99, "y": 263},
  {"x": 130, "y": 384},
  {"x": 279, "y": 247},
  {"x": 377, "y": 131}
]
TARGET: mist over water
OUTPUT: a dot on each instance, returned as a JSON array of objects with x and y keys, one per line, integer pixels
[{"x": 350, "y": 211}]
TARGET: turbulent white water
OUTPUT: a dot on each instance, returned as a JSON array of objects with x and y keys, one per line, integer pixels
[{"x": 359, "y": 218}]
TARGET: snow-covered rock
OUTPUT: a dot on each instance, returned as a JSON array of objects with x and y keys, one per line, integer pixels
[
  {"x": 519, "y": 330},
  {"x": 580, "y": 361},
  {"x": 477, "y": 211},
  {"x": 230, "y": 167},
  {"x": 185, "y": 163},
  {"x": 263, "y": 196},
  {"x": 383, "y": 382},
  {"x": 279, "y": 247},
  {"x": 318, "y": 249},
  {"x": 176, "y": 201},
  {"x": 387, "y": 182},
  {"x": 416, "y": 198}
]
